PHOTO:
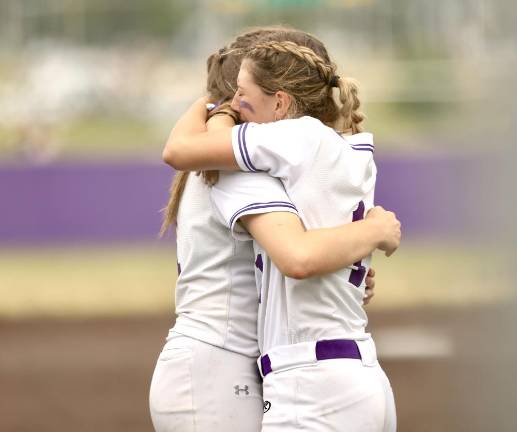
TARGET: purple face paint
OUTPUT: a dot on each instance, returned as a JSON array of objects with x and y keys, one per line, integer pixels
[{"x": 247, "y": 106}]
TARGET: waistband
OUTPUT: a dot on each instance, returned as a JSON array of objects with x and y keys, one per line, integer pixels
[{"x": 307, "y": 353}]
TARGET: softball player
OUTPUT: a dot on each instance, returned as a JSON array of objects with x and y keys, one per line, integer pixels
[
  {"x": 319, "y": 365},
  {"x": 205, "y": 377}
]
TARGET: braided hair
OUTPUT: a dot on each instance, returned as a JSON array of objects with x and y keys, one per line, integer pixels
[{"x": 309, "y": 78}]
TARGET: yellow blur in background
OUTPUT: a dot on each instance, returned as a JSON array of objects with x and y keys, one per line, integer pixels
[{"x": 78, "y": 282}]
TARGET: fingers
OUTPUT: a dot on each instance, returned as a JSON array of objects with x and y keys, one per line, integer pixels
[
  {"x": 370, "y": 283},
  {"x": 370, "y": 286},
  {"x": 375, "y": 211},
  {"x": 368, "y": 295}
]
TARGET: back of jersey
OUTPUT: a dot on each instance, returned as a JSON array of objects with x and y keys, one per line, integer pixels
[
  {"x": 216, "y": 298},
  {"x": 330, "y": 179}
]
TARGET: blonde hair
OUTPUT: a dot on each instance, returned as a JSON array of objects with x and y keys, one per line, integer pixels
[{"x": 309, "y": 78}]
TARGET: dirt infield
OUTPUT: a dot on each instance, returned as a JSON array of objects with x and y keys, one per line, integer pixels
[{"x": 93, "y": 375}]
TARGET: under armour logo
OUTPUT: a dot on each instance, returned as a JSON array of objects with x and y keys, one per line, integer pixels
[
  {"x": 267, "y": 405},
  {"x": 244, "y": 389}
]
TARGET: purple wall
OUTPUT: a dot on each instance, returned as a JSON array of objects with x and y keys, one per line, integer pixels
[
  {"x": 112, "y": 202},
  {"x": 74, "y": 202}
]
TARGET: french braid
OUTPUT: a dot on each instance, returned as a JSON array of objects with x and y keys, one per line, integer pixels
[
  {"x": 309, "y": 78},
  {"x": 304, "y": 54}
]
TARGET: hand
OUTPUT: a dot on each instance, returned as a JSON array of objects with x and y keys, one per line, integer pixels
[
  {"x": 370, "y": 286},
  {"x": 390, "y": 229},
  {"x": 202, "y": 101},
  {"x": 224, "y": 109}
]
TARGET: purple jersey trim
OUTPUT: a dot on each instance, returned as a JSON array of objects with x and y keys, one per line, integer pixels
[
  {"x": 259, "y": 263},
  {"x": 371, "y": 150},
  {"x": 359, "y": 147},
  {"x": 268, "y": 202},
  {"x": 357, "y": 276},
  {"x": 239, "y": 140},
  {"x": 256, "y": 206},
  {"x": 249, "y": 164},
  {"x": 363, "y": 147},
  {"x": 325, "y": 350}
]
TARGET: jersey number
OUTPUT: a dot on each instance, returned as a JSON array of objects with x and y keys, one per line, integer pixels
[{"x": 357, "y": 274}]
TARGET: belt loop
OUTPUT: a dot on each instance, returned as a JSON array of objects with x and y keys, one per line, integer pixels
[{"x": 368, "y": 352}]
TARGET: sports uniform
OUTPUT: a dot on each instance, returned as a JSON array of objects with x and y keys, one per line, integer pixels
[
  {"x": 320, "y": 366},
  {"x": 206, "y": 375}
]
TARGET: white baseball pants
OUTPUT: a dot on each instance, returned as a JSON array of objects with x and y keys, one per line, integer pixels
[
  {"x": 198, "y": 387},
  {"x": 336, "y": 395}
]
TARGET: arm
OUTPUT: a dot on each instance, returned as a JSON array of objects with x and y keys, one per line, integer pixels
[
  {"x": 191, "y": 146},
  {"x": 301, "y": 254}
]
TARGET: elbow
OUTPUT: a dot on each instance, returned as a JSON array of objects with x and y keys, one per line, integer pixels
[
  {"x": 172, "y": 156},
  {"x": 298, "y": 266}
]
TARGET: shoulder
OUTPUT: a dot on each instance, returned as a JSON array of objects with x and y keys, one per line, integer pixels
[
  {"x": 360, "y": 138},
  {"x": 362, "y": 141},
  {"x": 246, "y": 181},
  {"x": 303, "y": 125},
  {"x": 298, "y": 126}
]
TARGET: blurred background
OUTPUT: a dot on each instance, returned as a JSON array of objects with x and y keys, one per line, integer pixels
[{"x": 89, "y": 91}]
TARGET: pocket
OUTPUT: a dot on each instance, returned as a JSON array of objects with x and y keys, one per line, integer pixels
[
  {"x": 280, "y": 401},
  {"x": 170, "y": 396}
]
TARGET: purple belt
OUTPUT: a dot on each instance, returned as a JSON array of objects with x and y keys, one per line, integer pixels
[{"x": 325, "y": 350}]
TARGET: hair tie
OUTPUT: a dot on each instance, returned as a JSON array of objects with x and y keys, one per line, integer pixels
[{"x": 334, "y": 81}]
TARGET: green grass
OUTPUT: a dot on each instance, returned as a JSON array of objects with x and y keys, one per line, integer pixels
[{"x": 139, "y": 279}]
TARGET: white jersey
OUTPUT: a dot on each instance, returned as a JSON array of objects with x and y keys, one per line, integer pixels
[
  {"x": 331, "y": 181},
  {"x": 216, "y": 297}
]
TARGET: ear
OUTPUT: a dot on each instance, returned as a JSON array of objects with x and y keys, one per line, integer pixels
[{"x": 283, "y": 102}]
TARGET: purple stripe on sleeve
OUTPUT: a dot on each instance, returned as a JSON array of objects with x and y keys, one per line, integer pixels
[
  {"x": 249, "y": 163},
  {"x": 363, "y": 146},
  {"x": 239, "y": 136},
  {"x": 268, "y": 202},
  {"x": 258, "y": 206}
]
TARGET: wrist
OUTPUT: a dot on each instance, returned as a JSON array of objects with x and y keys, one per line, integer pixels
[{"x": 376, "y": 229}]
